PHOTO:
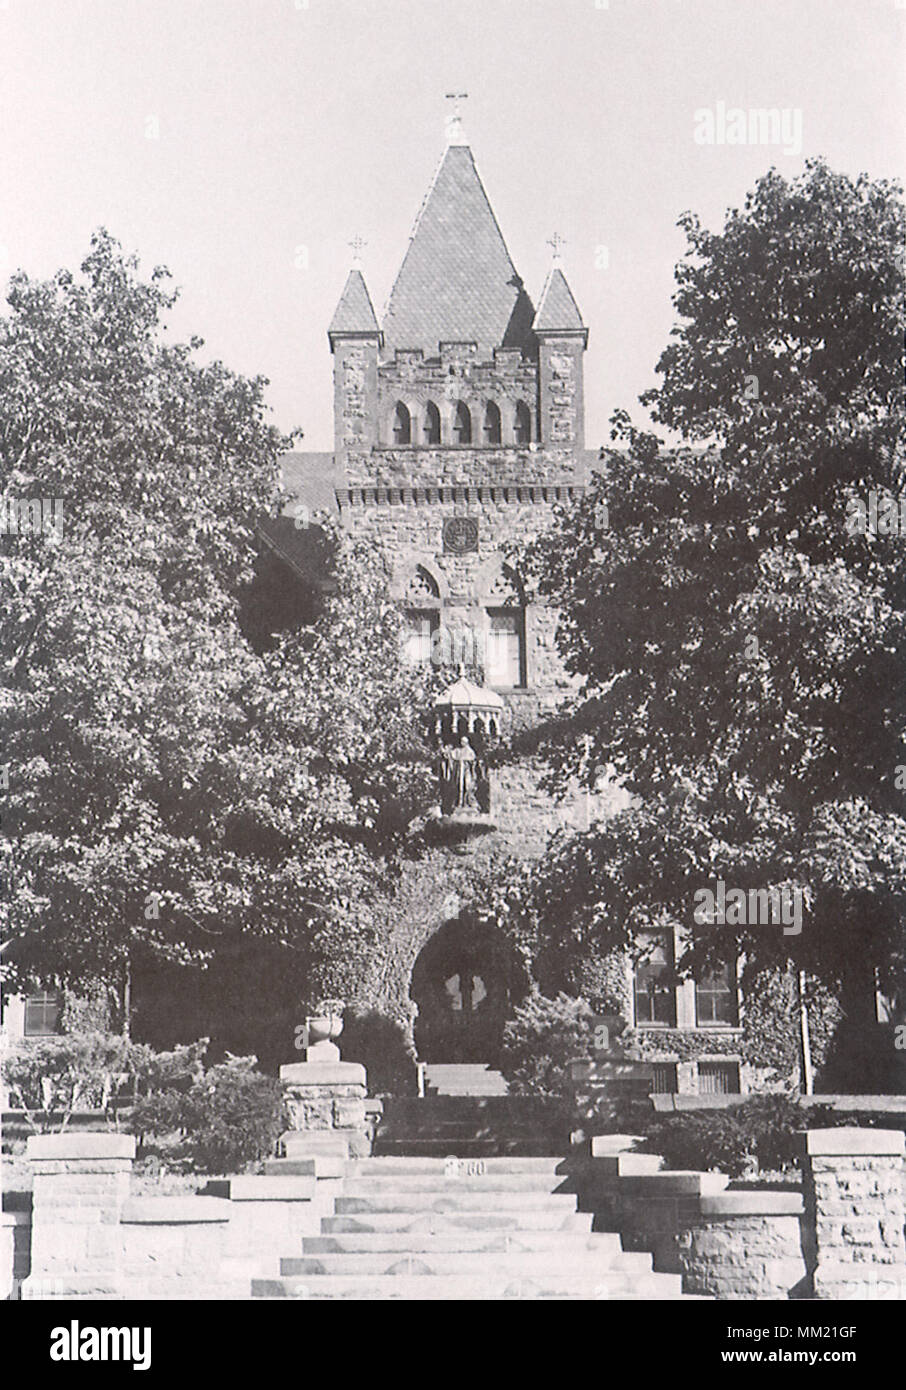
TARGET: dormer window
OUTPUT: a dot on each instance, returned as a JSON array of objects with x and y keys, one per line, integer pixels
[
  {"x": 522, "y": 424},
  {"x": 402, "y": 425},
  {"x": 462, "y": 424},
  {"x": 492, "y": 424},
  {"x": 432, "y": 424}
]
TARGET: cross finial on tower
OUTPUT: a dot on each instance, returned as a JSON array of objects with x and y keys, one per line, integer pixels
[
  {"x": 455, "y": 132},
  {"x": 555, "y": 242},
  {"x": 357, "y": 246}
]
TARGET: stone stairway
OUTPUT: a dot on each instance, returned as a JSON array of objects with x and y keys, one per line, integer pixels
[
  {"x": 463, "y": 1079},
  {"x": 471, "y": 1126},
  {"x": 434, "y": 1228}
]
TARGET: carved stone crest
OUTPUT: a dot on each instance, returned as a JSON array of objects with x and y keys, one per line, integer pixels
[{"x": 460, "y": 534}]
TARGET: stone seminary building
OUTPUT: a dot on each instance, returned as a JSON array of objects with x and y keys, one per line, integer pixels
[
  {"x": 458, "y": 429},
  {"x": 459, "y": 426}
]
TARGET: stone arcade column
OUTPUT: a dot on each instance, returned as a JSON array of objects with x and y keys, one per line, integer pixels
[
  {"x": 81, "y": 1182},
  {"x": 854, "y": 1195},
  {"x": 325, "y": 1098}
]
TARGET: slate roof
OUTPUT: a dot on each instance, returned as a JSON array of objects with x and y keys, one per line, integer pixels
[
  {"x": 457, "y": 281},
  {"x": 558, "y": 311},
  {"x": 354, "y": 313},
  {"x": 312, "y": 479}
]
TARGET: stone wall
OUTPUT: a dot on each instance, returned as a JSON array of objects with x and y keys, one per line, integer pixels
[
  {"x": 455, "y": 375},
  {"x": 561, "y": 395},
  {"x": 840, "y": 1237},
  {"x": 91, "y": 1239},
  {"x": 471, "y": 465},
  {"x": 355, "y": 393},
  {"x": 408, "y": 525},
  {"x": 854, "y": 1190}
]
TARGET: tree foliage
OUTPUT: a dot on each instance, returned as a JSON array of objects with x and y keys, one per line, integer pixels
[
  {"x": 741, "y": 647},
  {"x": 170, "y": 789}
]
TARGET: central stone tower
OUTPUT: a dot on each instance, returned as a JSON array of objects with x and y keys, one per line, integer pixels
[
  {"x": 462, "y": 364},
  {"x": 459, "y": 422}
]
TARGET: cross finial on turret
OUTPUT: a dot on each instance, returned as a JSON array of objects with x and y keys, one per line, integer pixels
[
  {"x": 455, "y": 132},
  {"x": 555, "y": 242},
  {"x": 357, "y": 246}
]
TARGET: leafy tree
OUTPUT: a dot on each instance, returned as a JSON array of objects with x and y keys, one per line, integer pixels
[
  {"x": 741, "y": 645},
  {"x": 172, "y": 791}
]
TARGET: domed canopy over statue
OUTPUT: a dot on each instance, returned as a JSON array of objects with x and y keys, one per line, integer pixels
[{"x": 467, "y": 719}]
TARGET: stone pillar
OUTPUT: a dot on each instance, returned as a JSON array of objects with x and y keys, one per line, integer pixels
[
  {"x": 854, "y": 1181},
  {"x": 609, "y": 1093},
  {"x": 326, "y": 1105},
  {"x": 81, "y": 1182}
]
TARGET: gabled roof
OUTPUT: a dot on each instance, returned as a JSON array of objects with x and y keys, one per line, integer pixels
[
  {"x": 457, "y": 282},
  {"x": 312, "y": 479},
  {"x": 558, "y": 311},
  {"x": 354, "y": 313}
]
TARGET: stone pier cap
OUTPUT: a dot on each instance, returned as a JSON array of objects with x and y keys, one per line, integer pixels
[
  {"x": 323, "y": 1074},
  {"x": 848, "y": 1140}
]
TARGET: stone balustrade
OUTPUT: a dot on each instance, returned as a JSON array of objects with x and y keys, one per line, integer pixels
[
  {"x": 841, "y": 1236},
  {"x": 91, "y": 1239}
]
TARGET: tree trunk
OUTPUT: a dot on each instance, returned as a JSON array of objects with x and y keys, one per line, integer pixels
[
  {"x": 808, "y": 1079},
  {"x": 127, "y": 1000}
]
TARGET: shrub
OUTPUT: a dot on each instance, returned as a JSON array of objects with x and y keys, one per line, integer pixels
[
  {"x": 153, "y": 1071},
  {"x": 50, "y": 1078},
  {"x": 228, "y": 1118},
  {"x": 762, "y": 1133},
  {"x": 540, "y": 1040}
]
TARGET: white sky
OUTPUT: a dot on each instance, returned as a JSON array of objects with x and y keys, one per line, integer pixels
[{"x": 283, "y": 125}]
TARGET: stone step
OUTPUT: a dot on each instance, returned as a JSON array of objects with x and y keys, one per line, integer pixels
[
  {"x": 466, "y": 1087},
  {"x": 464, "y": 1107},
  {"x": 480, "y": 1264},
  {"x": 466, "y": 1239},
  {"x": 291, "y": 1167},
  {"x": 438, "y": 1184},
  {"x": 499, "y": 1146},
  {"x": 537, "y": 1219},
  {"x": 607, "y": 1284},
  {"x": 460, "y": 1200},
  {"x": 404, "y": 1166}
]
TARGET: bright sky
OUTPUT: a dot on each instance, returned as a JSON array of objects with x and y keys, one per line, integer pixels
[{"x": 220, "y": 137}]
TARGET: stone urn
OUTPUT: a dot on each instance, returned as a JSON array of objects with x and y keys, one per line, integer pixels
[{"x": 325, "y": 1023}]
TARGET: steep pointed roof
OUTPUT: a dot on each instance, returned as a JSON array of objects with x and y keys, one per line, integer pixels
[
  {"x": 558, "y": 312},
  {"x": 354, "y": 313},
  {"x": 457, "y": 281}
]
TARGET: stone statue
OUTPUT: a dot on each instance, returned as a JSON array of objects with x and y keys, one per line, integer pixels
[{"x": 463, "y": 759}]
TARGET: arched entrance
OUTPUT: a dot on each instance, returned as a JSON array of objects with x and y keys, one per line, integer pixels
[{"x": 465, "y": 981}]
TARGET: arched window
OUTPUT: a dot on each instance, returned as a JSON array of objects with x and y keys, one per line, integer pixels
[
  {"x": 422, "y": 616},
  {"x": 462, "y": 424},
  {"x": 506, "y": 654},
  {"x": 522, "y": 424},
  {"x": 492, "y": 424},
  {"x": 432, "y": 424},
  {"x": 402, "y": 425}
]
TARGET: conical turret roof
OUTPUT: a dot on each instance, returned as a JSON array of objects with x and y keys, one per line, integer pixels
[
  {"x": 354, "y": 313},
  {"x": 457, "y": 282}
]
